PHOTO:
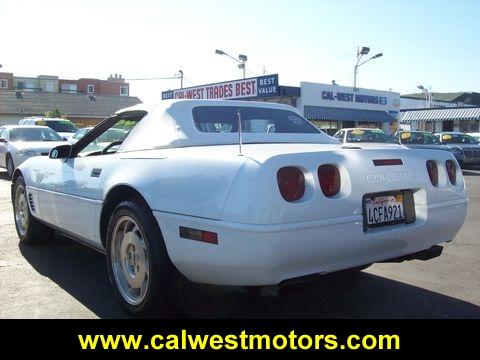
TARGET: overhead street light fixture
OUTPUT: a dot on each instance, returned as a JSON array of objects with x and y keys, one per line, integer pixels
[
  {"x": 364, "y": 51},
  {"x": 242, "y": 59},
  {"x": 360, "y": 52}
]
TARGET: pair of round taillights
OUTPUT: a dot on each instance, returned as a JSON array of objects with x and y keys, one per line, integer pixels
[
  {"x": 432, "y": 169},
  {"x": 291, "y": 181}
]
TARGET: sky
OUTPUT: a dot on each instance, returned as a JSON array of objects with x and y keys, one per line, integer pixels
[{"x": 433, "y": 43}]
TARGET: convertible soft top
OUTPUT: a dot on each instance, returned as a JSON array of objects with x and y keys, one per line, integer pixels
[{"x": 170, "y": 124}]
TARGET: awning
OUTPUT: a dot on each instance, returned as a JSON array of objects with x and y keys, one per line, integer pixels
[
  {"x": 344, "y": 114},
  {"x": 472, "y": 113}
]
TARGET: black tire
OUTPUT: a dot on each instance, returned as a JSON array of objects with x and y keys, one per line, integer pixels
[
  {"x": 33, "y": 232},
  {"x": 10, "y": 166},
  {"x": 163, "y": 278}
]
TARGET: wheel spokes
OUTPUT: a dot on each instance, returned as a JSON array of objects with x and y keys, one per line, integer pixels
[{"x": 130, "y": 260}]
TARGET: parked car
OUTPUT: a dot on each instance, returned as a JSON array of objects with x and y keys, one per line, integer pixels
[
  {"x": 64, "y": 127},
  {"x": 365, "y": 138},
  {"x": 470, "y": 148},
  {"x": 113, "y": 134},
  {"x": 426, "y": 140},
  {"x": 209, "y": 191},
  {"x": 20, "y": 142},
  {"x": 79, "y": 134},
  {"x": 476, "y": 136}
]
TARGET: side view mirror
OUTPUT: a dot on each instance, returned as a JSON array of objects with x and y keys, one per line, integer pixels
[
  {"x": 3, "y": 140},
  {"x": 60, "y": 152},
  {"x": 64, "y": 138}
]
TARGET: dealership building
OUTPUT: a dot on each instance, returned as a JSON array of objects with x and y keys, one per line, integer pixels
[{"x": 329, "y": 107}]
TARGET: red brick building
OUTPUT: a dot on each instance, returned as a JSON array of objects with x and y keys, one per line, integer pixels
[
  {"x": 85, "y": 101},
  {"x": 6, "y": 81},
  {"x": 114, "y": 85}
]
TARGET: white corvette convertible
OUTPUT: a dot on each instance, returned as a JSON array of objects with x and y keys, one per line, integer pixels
[{"x": 188, "y": 195}]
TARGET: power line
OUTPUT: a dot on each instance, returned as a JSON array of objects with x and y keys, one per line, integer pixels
[
  {"x": 155, "y": 78},
  {"x": 190, "y": 82}
]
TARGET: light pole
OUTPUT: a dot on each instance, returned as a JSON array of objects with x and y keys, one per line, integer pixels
[
  {"x": 360, "y": 52},
  {"x": 180, "y": 76},
  {"x": 242, "y": 59},
  {"x": 428, "y": 95}
]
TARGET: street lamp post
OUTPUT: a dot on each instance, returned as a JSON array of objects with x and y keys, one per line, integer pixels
[
  {"x": 242, "y": 59},
  {"x": 360, "y": 52},
  {"x": 180, "y": 75}
]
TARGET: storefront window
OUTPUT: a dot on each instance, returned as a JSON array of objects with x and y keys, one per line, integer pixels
[
  {"x": 469, "y": 125},
  {"x": 371, "y": 125},
  {"x": 330, "y": 127}
]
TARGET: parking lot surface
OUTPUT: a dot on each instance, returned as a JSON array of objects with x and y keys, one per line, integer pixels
[{"x": 64, "y": 279}]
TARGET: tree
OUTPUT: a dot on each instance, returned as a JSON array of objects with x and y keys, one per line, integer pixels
[{"x": 55, "y": 113}]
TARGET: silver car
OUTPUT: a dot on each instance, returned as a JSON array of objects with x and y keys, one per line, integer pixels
[
  {"x": 469, "y": 146},
  {"x": 20, "y": 142},
  {"x": 426, "y": 140}
]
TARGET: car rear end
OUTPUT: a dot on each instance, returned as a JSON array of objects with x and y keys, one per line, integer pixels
[
  {"x": 297, "y": 210},
  {"x": 471, "y": 154}
]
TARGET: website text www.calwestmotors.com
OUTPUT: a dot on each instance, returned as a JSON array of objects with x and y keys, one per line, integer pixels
[{"x": 240, "y": 341}]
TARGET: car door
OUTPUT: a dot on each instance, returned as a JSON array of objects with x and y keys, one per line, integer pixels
[
  {"x": 73, "y": 190},
  {"x": 74, "y": 185},
  {"x": 3, "y": 147}
]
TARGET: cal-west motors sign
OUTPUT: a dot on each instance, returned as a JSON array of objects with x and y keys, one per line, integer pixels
[
  {"x": 314, "y": 94},
  {"x": 262, "y": 86},
  {"x": 352, "y": 97}
]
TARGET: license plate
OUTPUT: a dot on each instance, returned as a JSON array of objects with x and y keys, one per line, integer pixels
[{"x": 384, "y": 210}]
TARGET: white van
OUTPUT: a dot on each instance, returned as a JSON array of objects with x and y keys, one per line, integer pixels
[{"x": 64, "y": 127}]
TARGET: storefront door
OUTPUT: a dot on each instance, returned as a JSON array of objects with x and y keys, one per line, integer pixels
[{"x": 447, "y": 125}]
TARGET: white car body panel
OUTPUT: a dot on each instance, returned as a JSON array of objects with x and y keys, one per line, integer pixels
[{"x": 198, "y": 180}]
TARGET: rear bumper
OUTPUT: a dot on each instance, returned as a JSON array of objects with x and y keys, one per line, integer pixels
[{"x": 256, "y": 255}]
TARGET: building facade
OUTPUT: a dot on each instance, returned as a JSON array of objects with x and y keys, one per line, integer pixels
[
  {"x": 463, "y": 119},
  {"x": 437, "y": 112},
  {"x": 333, "y": 107},
  {"x": 114, "y": 85},
  {"x": 85, "y": 101}
]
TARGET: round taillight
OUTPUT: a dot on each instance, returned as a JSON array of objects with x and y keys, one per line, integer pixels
[
  {"x": 451, "y": 171},
  {"x": 432, "y": 169},
  {"x": 329, "y": 178},
  {"x": 291, "y": 183}
]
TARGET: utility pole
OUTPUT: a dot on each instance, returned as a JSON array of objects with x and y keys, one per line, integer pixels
[{"x": 180, "y": 72}]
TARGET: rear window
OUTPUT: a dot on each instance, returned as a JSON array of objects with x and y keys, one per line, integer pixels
[
  {"x": 60, "y": 125},
  {"x": 366, "y": 135},
  {"x": 224, "y": 119},
  {"x": 419, "y": 138},
  {"x": 458, "y": 139}
]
